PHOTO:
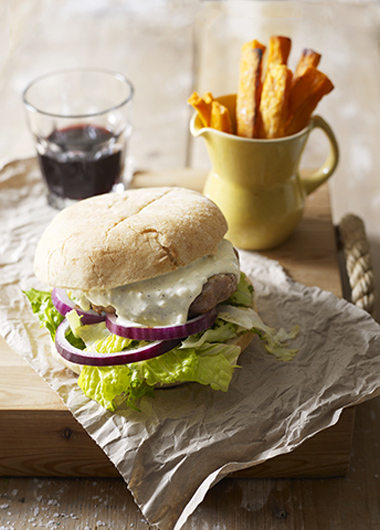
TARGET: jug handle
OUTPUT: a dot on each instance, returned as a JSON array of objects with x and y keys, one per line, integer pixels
[{"x": 312, "y": 180}]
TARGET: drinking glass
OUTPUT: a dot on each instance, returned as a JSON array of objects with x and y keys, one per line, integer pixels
[{"x": 81, "y": 122}]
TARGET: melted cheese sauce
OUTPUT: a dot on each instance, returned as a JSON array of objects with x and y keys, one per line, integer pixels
[{"x": 164, "y": 300}]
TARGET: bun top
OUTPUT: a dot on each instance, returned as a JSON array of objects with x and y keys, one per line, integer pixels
[{"x": 116, "y": 239}]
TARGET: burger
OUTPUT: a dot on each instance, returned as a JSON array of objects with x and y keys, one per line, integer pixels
[{"x": 144, "y": 293}]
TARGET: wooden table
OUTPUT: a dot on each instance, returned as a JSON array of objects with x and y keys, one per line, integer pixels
[{"x": 38, "y": 436}]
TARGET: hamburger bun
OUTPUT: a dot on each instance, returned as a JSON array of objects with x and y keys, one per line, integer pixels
[{"x": 117, "y": 239}]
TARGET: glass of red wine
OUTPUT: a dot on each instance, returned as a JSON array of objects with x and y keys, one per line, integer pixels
[{"x": 81, "y": 122}]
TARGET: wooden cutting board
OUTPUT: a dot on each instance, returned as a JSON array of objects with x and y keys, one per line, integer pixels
[{"x": 40, "y": 437}]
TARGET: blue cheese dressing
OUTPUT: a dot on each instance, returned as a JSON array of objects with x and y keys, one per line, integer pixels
[{"x": 165, "y": 299}]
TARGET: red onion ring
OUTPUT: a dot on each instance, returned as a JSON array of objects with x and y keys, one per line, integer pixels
[
  {"x": 195, "y": 325},
  {"x": 77, "y": 356},
  {"x": 63, "y": 304}
]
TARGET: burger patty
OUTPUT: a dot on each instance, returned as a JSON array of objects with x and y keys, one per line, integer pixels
[{"x": 217, "y": 289}]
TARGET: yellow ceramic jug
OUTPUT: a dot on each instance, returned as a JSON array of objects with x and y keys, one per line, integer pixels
[{"x": 256, "y": 182}]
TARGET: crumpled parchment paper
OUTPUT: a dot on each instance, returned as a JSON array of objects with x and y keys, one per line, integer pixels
[{"x": 188, "y": 438}]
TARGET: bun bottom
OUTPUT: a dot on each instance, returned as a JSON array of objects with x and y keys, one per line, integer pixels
[{"x": 243, "y": 340}]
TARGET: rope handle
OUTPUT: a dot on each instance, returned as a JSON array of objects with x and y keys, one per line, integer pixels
[{"x": 358, "y": 262}]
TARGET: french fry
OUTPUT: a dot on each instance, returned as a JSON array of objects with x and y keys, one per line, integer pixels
[
  {"x": 307, "y": 91},
  {"x": 249, "y": 89},
  {"x": 202, "y": 106},
  {"x": 274, "y": 101},
  {"x": 220, "y": 117},
  {"x": 208, "y": 98},
  {"x": 277, "y": 104},
  {"x": 308, "y": 58},
  {"x": 278, "y": 50}
]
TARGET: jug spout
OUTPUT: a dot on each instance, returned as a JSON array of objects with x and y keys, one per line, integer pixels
[{"x": 197, "y": 129}]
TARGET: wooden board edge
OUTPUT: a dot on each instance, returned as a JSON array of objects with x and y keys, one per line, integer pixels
[
  {"x": 61, "y": 447},
  {"x": 326, "y": 454}
]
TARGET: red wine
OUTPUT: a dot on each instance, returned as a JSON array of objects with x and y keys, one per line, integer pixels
[{"x": 81, "y": 161}]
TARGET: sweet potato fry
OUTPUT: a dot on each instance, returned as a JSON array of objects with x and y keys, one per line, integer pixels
[
  {"x": 308, "y": 58},
  {"x": 278, "y": 50},
  {"x": 203, "y": 108},
  {"x": 274, "y": 102},
  {"x": 253, "y": 45},
  {"x": 307, "y": 90},
  {"x": 249, "y": 88},
  {"x": 208, "y": 98},
  {"x": 220, "y": 117}
]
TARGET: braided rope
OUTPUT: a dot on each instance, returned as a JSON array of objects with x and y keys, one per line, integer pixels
[{"x": 358, "y": 262}]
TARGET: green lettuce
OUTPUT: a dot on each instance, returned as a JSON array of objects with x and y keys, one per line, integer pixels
[
  {"x": 205, "y": 357},
  {"x": 48, "y": 315},
  {"x": 43, "y": 307},
  {"x": 111, "y": 385},
  {"x": 209, "y": 364},
  {"x": 244, "y": 294},
  {"x": 276, "y": 342}
]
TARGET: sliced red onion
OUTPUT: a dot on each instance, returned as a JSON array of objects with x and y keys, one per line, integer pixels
[
  {"x": 77, "y": 356},
  {"x": 195, "y": 325},
  {"x": 63, "y": 304}
]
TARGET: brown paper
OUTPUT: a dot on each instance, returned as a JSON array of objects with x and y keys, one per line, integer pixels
[{"x": 190, "y": 437}]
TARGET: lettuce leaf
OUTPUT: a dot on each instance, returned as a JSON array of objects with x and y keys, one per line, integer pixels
[
  {"x": 244, "y": 294},
  {"x": 212, "y": 365},
  {"x": 276, "y": 342},
  {"x": 209, "y": 364},
  {"x": 220, "y": 332},
  {"x": 111, "y": 385},
  {"x": 43, "y": 307}
]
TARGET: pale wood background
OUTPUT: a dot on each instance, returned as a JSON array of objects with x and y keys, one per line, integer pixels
[{"x": 167, "y": 48}]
